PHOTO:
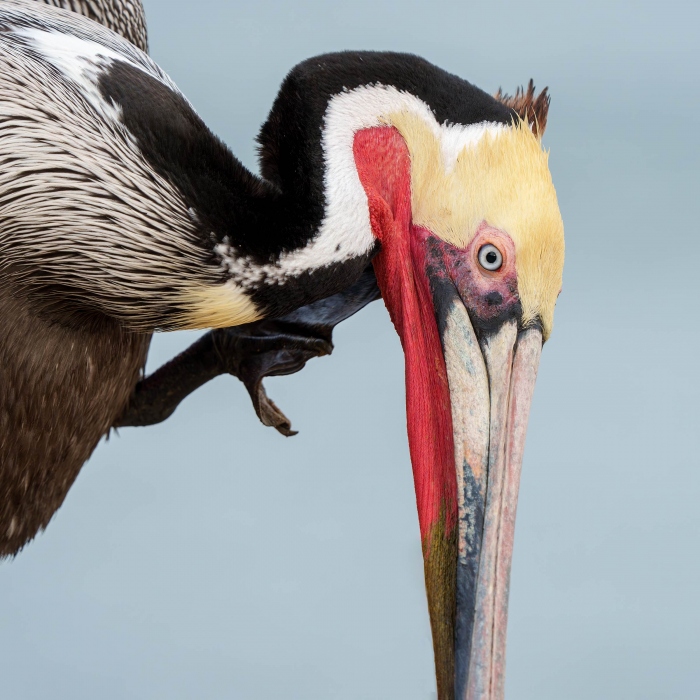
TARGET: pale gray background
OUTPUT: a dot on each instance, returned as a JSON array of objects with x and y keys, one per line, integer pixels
[{"x": 210, "y": 558}]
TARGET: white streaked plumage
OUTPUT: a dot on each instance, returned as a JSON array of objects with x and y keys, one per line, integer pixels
[
  {"x": 125, "y": 17},
  {"x": 80, "y": 61},
  {"x": 77, "y": 198}
]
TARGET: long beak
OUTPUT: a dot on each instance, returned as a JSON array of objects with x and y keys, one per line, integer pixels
[
  {"x": 468, "y": 396},
  {"x": 491, "y": 383}
]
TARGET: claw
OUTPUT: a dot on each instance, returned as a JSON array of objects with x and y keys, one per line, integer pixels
[
  {"x": 266, "y": 349},
  {"x": 274, "y": 347},
  {"x": 268, "y": 412}
]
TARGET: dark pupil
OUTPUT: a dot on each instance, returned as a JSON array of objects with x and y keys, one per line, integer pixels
[{"x": 491, "y": 257}]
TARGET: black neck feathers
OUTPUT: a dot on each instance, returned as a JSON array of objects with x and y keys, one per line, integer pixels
[
  {"x": 290, "y": 145},
  {"x": 227, "y": 201}
]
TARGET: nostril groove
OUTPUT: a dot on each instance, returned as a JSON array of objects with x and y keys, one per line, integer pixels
[{"x": 493, "y": 298}]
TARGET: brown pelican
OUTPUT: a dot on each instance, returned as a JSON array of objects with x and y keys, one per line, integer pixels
[{"x": 121, "y": 214}]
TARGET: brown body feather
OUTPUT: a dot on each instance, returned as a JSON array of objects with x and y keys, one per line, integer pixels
[{"x": 64, "y": 384}]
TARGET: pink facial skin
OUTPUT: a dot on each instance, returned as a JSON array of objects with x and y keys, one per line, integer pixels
[{"x": 489, "y": 295}]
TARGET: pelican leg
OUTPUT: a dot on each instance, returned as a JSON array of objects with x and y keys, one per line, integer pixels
[{"x": 251, "y": 352}]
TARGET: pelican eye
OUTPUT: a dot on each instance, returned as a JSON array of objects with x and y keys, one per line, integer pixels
[{"x": 490, "y": 258}]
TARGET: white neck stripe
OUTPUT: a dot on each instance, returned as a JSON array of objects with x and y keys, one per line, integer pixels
[{"x": 345, "y": 231}]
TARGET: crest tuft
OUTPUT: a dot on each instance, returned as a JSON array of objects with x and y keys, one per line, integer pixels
[{"x": 530, "y": 108}]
